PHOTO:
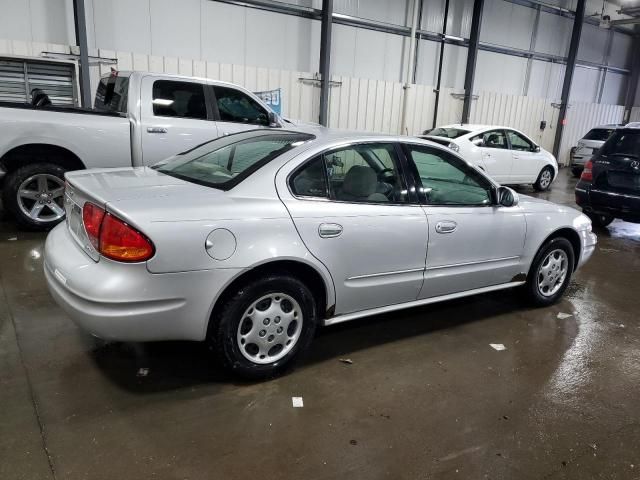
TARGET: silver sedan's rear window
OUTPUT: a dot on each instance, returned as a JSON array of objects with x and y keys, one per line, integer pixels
[{"x": 226, "y": 161}]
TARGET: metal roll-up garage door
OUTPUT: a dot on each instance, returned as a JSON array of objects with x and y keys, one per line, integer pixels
[{"x": 19, "y": 77}]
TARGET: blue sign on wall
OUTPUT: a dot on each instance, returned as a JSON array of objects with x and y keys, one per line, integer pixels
[{"x": 272, "y": 98}]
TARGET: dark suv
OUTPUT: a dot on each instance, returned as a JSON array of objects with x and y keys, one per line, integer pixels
[{"x": 610, "y": 183}]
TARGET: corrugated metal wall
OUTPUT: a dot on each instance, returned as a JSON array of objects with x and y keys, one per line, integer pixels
[{"x": 366, "y": 104}]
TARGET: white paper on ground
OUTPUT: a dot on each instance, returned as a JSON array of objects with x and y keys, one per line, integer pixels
[
  {"x": 297, "y": 402},
  {"x": 497, "y": 346},
  {"x": 562, "y": 315}
]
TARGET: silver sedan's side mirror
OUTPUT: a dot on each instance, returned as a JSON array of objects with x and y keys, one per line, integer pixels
[{"x": 507, "y": 197}]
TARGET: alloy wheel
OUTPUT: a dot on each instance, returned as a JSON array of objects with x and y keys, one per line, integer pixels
[{"x": 40, "y": 197}]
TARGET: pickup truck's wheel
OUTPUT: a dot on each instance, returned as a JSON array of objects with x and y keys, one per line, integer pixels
[
  {"x": 550, "y": 272},
  {"x": 544, "y": 180},
  {"x": 264, "y": 326},
  {"x": 34, "y": 195}
]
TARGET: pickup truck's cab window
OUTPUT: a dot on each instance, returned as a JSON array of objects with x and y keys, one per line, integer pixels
[
  {"x": 235, "y": 106},
  {"x": 179, "y": 99},
  {"x": 446, "y": 180}
]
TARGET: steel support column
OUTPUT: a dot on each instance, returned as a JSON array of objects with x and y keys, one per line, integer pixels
[
  {"x": 440, "y": 63},
  {"x": 81, "y": 40},
  {"x": 472, "y": 55},
  {"x": 568, "y": 74},
  {"x": 634, "y": 81},
  {"x": 325, "y": 60}
]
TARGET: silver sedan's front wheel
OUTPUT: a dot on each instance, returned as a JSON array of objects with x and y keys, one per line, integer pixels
[
  {"x": 263, "y": 325},
  {"x": 270, "y": 328},
  {"x": 552, "y": 272}
]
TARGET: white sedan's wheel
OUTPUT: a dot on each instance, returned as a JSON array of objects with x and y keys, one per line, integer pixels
[
  {"x": 544, "y": 179},
  {"x": 270, "y": 328}
]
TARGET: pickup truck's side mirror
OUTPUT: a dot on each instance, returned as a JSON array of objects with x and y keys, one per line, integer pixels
[
  {"x": 273, "y": 120},
  {"x": 507, "y": 197}
]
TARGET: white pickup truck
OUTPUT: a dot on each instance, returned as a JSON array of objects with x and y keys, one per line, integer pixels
[{"x": 138, "y": 119}]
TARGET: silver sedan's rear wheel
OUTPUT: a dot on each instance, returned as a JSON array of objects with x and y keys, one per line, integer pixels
[
  {"x": 270, "y": 328},
  {"x": 263, "y": 325}
]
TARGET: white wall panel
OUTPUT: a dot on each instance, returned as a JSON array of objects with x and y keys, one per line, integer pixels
[
  {"x": 175, "y": 28},
  {"x": 432, "y": 15},
  {"x": 35, "y": 21},
  {"x": 394, "y": 11},
  {"x": 593, "y": 43},
  {"x": 220, "y": 22},
  {"x": 506, "y": 23},
  {"x": 615, "y": 89},
  {"x": 635, "y": 114},
  {"x": 584, "y": 87},
  {"x": 491, "y": 76},
  {"x": 427, "y": 66},
  {"x": 122, "y": 25},
  {"x": 454, "y": 66},
  {"x": 366, "y": 54},
  {"x": 546, "y": 80},
  {"x": 554, "y": 34},
  {"x": 459, "y": 18},
  {"x": 621, "y": 51}
]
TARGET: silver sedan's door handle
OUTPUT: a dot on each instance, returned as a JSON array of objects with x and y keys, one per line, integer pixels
[
  {"x": 446, "y": 226},
  {"x": 156, "y": 130},
  {"x": 329, "y": 230}
]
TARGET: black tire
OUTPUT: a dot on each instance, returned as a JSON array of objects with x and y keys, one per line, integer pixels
[
  {"x": 11, "y": 201},
  {"x": 540, "y": 185},
  {"x": 226, "y": 321},
  {"x": 600, "y": 219},
  {"x": 531, "y": 289},
  {"x": 576, "y": 172}
]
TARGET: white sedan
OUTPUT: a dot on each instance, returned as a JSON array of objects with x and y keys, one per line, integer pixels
[
  {"x": 253, "y": 240},
  {"x": 506, "y": 154}
]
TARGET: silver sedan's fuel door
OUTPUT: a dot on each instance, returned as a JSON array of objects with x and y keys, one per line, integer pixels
[{"x": 351, "y": 209}]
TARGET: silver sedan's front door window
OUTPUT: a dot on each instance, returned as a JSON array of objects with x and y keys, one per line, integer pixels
[
  {"x": 472, "y": 242},
  {"x": 352, "y": 210}
]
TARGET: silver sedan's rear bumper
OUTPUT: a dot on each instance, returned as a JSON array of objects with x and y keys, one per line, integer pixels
[{"x": 126, "y": 302}]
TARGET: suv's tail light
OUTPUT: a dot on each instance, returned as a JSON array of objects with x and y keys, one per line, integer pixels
[
  {"x": 114, "y": 238},
  {"x": 587, "y": 173}
]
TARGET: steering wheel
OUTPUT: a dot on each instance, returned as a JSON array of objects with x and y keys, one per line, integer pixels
[{"x": 387, "y": 174}]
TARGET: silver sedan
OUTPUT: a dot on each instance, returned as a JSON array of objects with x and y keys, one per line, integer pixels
[{"x": 253, "y": 240}]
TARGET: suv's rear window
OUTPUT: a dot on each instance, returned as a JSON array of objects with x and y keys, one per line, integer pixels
[
  {"x": 623, "y": 143},
  {"x": 446, "y": 132},
  {"x": 111, "y": 95},
  {"x": 599, "y": 134},
  {"x": 226, "y": 161}
]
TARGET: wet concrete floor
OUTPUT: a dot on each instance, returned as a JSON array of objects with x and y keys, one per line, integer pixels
[{"x": 425, "y": 397}]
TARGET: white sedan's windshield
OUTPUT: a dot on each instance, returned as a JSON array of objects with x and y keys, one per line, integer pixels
[{"x": 225, "y": 162}]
